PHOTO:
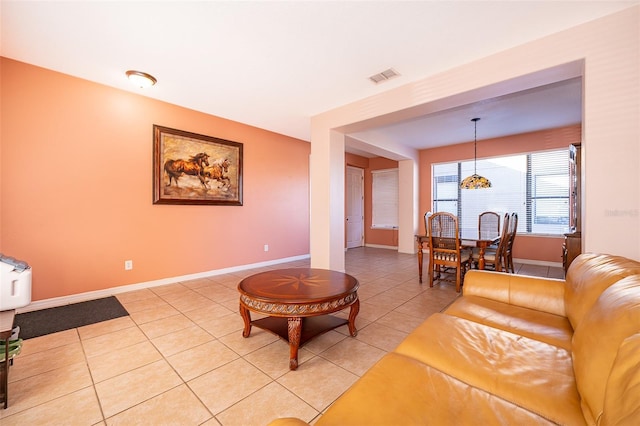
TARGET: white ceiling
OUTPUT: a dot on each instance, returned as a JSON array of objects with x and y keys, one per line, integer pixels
[{"x": 274, "y": 64}]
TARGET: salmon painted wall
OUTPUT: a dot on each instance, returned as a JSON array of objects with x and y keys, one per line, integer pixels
[
  {"x": 356, "y": 160},
  {"x": 539, "y": 248},
  {"x": 76, "y": 188}
]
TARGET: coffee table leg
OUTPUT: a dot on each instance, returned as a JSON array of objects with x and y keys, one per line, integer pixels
[
  {"x": 295, "y": 330},
  {"x": 355, "y": 308},
  {"x": 246, "y": 317}
]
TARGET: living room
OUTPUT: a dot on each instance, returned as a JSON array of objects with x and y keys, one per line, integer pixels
[
  {"x": 76, "y": 199},
  {"x": 88, "y": 208}
]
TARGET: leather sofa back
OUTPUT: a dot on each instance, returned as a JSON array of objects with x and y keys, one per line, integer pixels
[{"x": 588, "y": 276}]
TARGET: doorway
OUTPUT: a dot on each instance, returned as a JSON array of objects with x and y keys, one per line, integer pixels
[{"x": 354, "y": 209}]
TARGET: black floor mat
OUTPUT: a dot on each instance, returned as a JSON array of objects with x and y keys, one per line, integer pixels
[{"x": 51, "y": 320}]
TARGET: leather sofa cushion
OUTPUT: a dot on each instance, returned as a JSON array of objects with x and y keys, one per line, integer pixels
[
  {"x": 614, "y": 317},
  {"x": 545, "y": 327},
  {"x": 531, "y": 374},
  {"x": 588, "y": 276},
  {"x": 402, "y": 391}
]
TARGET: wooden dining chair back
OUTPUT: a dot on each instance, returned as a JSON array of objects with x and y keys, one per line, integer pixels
[
  {"x": 495, "y": 257},
  {"x": 508, "y": 251},
  {"x": 426, "y": 223},
  {"x": 488, "y": 225},
  {"x": 445, "y": 253}
]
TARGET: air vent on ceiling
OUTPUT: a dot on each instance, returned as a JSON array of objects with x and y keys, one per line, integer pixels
[{"x": 384, "y": 76}]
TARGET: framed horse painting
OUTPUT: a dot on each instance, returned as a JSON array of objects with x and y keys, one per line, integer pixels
[{"x": 195, "y": 169}]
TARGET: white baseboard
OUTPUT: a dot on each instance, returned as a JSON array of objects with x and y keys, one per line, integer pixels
[
  {"x": 538, "y": 262},
  {"x": 381, "y": 246},
  {"x": 91, "y": 295}
]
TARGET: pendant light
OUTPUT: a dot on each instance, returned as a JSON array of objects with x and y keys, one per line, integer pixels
[{"x": 475, "y": 181}]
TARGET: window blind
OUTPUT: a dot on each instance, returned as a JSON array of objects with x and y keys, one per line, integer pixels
[
  {"x": 384, "y": 198},
  {"x": 535, "y": 185}
]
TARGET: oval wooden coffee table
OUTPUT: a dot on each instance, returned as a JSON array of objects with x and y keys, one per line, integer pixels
[{"x": 288, "y": 296}]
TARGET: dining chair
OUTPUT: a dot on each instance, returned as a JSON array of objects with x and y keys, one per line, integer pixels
[
  {"x": 426, "y": 223},
  {"x": 488, "y": 224},
  {"x": 508, "y": 252},
  {"x": 445, "y": 253},
  {"x": 495, "y": 256}
]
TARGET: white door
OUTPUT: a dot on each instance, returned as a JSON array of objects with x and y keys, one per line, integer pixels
[{"x": 355, "y": 207}]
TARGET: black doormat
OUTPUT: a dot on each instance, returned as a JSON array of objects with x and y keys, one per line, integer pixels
[{"x": 51, "y": 320}]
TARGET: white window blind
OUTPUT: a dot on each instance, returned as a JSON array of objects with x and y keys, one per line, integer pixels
[
  {"x": 384, "y": 198},
  {"x": 534, "y": 185}
]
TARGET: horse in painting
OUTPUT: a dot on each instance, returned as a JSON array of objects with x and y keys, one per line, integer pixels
[
  {"x": 193, "y": 167},
  {"x": 217, "y": 172}
]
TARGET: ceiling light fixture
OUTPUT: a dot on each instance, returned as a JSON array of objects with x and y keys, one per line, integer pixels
[
  {"x": 141, "y": 79},
  {"x": 475, "y": 181}
]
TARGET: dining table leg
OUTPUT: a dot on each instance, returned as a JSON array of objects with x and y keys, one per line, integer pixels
[
  {"x": 481, "y": 251},
  {"x": 481, "y": 245},
  {"x": 420, "y": 256}
]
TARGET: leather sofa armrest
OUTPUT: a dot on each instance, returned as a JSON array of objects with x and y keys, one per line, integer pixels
[{"x": 541, "y": 294}]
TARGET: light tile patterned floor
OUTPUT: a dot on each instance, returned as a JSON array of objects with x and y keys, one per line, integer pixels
[{"x": 180, "y": 357}]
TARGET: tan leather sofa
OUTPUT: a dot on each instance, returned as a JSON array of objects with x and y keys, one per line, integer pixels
[{"x": 513, "y": 350}]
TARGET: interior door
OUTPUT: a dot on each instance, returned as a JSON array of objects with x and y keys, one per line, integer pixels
[{"x": 355, "y": 207}]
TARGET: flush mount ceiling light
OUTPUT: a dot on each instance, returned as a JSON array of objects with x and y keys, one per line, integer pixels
[
  {"x": 475, "y": 181},
  {"x": 141, "y": 79}
]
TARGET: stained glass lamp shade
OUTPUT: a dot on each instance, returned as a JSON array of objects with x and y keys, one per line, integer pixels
[{"x": 475, "y": 181}]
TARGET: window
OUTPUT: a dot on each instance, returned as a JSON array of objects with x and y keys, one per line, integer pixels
[
  {"x": 534, "y": 185},
  {"x": 384, "y": 199}
]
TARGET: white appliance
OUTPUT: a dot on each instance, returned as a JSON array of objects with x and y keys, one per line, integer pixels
[{"x": 15, "y": 283}]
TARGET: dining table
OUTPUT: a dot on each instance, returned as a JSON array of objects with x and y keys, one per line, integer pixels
[{"x": 468, "y": 239}]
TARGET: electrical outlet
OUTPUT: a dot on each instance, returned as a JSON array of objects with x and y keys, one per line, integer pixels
[
  {"x": 266, "y": 247},
  {"x": 128, "y": 265}
]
